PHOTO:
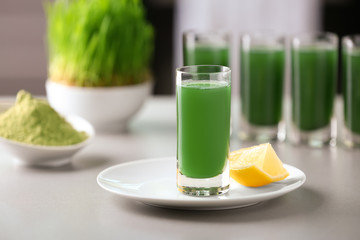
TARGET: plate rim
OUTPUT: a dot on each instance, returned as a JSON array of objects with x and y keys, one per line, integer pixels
[{"x": 197, "y": 201}]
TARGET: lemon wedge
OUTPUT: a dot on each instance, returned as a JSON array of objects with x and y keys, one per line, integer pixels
[{"x": 256, "y": 166}]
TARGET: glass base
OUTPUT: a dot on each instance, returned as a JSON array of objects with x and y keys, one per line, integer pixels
[
  {"x": 250, "y": 132},
  {"x": 317, "y": 138},
  {"x": 204, "y": 186},
  {"x": 350, "y": 139}
]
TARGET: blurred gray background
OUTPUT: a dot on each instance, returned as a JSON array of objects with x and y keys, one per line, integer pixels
[
  {"x": 22, "y": 46},
  {"x": 23, "y": 61}
]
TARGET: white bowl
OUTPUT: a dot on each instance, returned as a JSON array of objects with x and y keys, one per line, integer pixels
[
  {"x": 49, "y": 155},
  {"x": 108, "y": 109}
]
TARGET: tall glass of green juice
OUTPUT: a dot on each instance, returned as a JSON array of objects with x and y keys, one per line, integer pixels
[
  {"x": 203, "y": 95},
  {"x": 206, "y": 48},
  {"x": 351, "y": 90},
  {"x": 314, "y": 59},
  {"x": 262, "y": 67}
]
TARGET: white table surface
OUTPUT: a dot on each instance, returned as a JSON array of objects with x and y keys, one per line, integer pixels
[{"x": 67, "y": 203}]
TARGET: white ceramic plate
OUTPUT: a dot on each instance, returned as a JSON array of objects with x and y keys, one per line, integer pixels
[{"x": 153, "y": 182}]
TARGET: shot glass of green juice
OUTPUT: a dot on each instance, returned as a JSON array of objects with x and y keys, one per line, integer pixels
[
  {"x": 203, "y": 97},
  {"x": 262, "y": 73},
  {"x": 206, "y": 48},
  {"x": 314, "y": 61},
  {"x": 351, "y": 90}
]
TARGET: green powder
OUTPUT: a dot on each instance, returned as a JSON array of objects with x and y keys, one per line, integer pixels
[{"x": 33, "y": 121}]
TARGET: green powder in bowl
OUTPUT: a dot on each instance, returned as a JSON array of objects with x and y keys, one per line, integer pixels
[{"x": 33, "y": 121}]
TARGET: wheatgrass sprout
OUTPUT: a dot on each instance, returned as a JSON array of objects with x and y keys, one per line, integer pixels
[{"x": 94, "y": 43}]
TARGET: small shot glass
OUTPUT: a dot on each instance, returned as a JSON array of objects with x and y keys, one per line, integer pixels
[
  {"x": 314, "y": 69},
  {"x": 351, "y": 90},
  {"x": 262, "y": 67},
  {"x": 203, "y": 99}
]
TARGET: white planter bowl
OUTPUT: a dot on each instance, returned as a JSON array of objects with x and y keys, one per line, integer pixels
[{"x": 108, "y": 109}]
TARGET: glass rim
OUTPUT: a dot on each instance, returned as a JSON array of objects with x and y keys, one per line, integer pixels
[
  {"x": 351, "y": 36},
  {"x": 263, "y": 33},
  {"x": 351, "y": 40},
  {"x": 312, "y": 34},
  {"x": 205, "y": 32},
  {"x": 223, "y": 69},
  {"x": 266, "y": 38}
]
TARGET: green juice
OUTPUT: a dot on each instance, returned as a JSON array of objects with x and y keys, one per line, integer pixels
[
  {"x": 206, "y": 55},
  {"x": 261, "y": 85},
  {"x": 203, "y": 130},
  {"x": 351, "y": 90},
  {"x": 314, "y": 72}
]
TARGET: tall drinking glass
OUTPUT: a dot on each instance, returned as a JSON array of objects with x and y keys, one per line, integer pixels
[
  {"x": 262, "y": 57},
  {"x": 351, "y": 90},
  {"x": 314, "y": 72},
  {"x": 206, "y": 48},
  {"x": 203, "y": 95}
]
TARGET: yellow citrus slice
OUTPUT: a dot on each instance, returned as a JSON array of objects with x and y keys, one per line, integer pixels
[{"x": 256, "y": 166}]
